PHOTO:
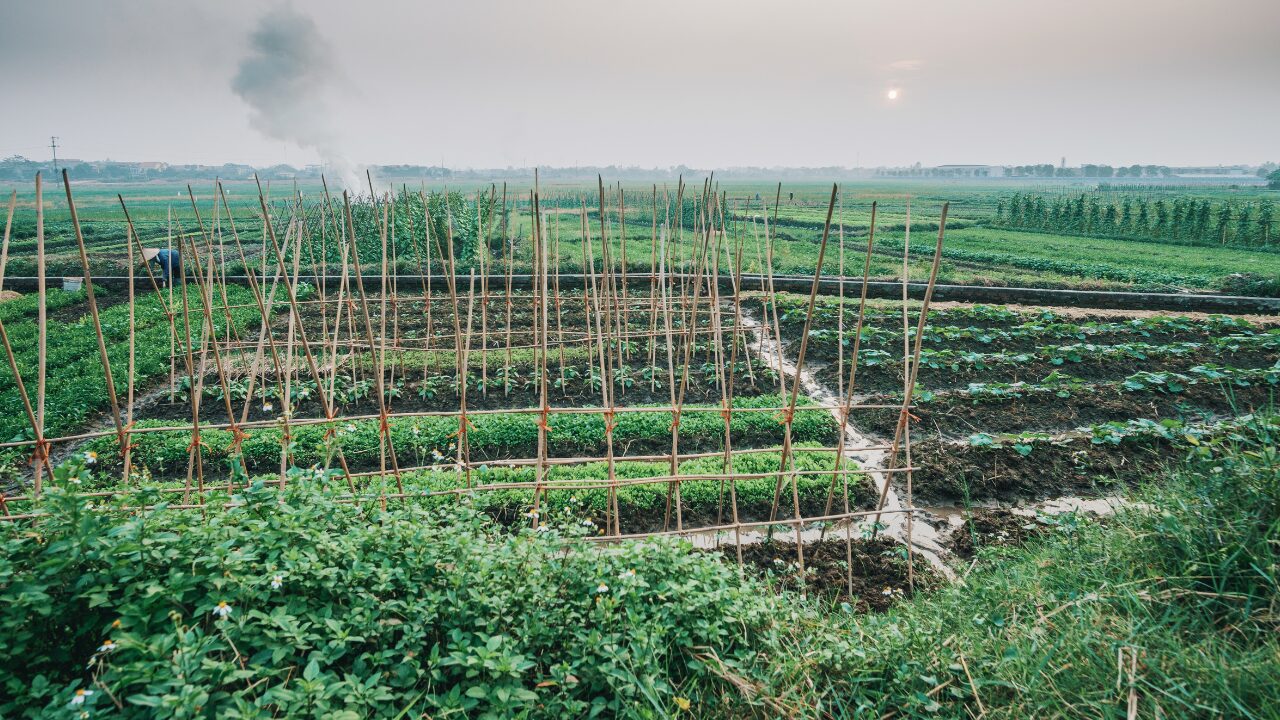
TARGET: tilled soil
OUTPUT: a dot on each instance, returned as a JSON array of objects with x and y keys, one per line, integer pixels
[
  {"x": 879, "y": 569},
  {"x": 1045, "y": 411},
  {"x": 953, "y": 472},
  {"x": 887, "y": 377},
  {"x": 992, "y": 528}
]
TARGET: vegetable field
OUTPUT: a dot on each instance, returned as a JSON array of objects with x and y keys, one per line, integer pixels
[{"x": 602, "y": 392}]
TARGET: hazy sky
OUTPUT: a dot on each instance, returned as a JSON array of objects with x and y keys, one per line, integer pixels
[{"x": 483, "y": 83}]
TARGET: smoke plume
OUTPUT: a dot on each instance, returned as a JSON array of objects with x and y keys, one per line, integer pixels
[{"x": 287, "y": 79}]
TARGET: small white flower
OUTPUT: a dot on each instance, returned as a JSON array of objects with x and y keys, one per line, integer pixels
[
  {"x": 107, "y": 646},
  {"x": 588, "y": 523},
  {"x": 277, "y": 582},
  {"x": 267, "y": 407},
  {"x": 602, "y": 588},
  {"x": 351, "y": 427},
  {"x": 627, "y": 574},
  {"x": 80, "y": 696},
  {"x": 90, "y": 457},
  {"x": 543, "y": 527},
  {"x": 532, "y": 514},
  {"x": 223, "y": 609},
  {"x": 887, "y": 592}
]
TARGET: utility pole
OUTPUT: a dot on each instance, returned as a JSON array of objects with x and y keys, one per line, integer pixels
[{"x": 53, "y": 143}]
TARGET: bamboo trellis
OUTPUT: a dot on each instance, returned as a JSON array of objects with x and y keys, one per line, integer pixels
[{"x": 686, "y": 305}]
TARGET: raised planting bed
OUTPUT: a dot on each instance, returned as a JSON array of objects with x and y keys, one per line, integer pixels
[
  {"x": 492, "y": 438},
  {"x": 410, "y": 390},
  {"x": 1063, "y": 402},
  {"x": 577, "y": 497},
  {"x": 1034, "y": 466}
]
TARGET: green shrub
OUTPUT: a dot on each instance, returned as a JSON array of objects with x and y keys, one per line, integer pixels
[{"x": 335, "y": 610}]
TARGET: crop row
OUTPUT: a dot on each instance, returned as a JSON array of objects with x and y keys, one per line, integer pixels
[
  {"x": 1035, "y": 465},
  {"x": 1064, "y": 401},
  {"x": 1074, "y": 353},
  {"x": 76, "y": 386},
  {"x": 989, "y": 336},
  {"x": 1063, "y": 385},
  {"x": 642, "y": 506},
  {"x": 491, "y": 438},
  {"x": 26, "y": 307},
  {"x": 1074, "y": 268}
]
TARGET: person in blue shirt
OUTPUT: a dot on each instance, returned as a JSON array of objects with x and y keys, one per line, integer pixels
[{"x": 169, "y": 262}]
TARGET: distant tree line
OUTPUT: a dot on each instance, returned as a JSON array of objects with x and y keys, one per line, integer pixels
[
  {"x": 1090, "y": 171},
  {"x": 1134, "y": 217}
]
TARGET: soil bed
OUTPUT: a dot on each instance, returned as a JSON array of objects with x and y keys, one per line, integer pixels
[
  {"x": 959, "y": 416},
  {"x": 953, "y": 472},
  {"x": 878, "y": 565},
  {"x": 992, "y": 528}
]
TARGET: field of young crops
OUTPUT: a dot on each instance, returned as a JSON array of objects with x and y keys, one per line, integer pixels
[
  {"x": 986, "y": 245},
  {"x": 1027, "y": 404}
]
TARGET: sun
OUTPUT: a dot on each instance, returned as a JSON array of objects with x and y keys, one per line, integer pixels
[{"x": 892, "y": 94}]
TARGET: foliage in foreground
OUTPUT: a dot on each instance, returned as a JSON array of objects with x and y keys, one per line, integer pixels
[
  {"x": 342, "y": 611},
  {"x": 334, "y": 608}
]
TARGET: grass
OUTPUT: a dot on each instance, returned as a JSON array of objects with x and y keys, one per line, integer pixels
[{"x": 1184, "y": 580}]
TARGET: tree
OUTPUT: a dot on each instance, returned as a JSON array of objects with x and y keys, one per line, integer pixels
[{"x": 1273, "y": 180}]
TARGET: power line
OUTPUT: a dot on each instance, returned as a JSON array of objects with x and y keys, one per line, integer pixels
[{"x": 53, "y": 143}]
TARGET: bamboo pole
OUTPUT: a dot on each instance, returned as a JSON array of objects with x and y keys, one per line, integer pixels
[
  {"x": 606, "y": 376},
  {"x": 292, "y": 298},
  {"x": 789, "y": 414},
  {"x": 40, "y": 461},
  {"x": 674, "y": 489},
  {"x": 905, "y": 413},
  {"x": 464, "y": 446},
  {"x": 122, "y": 439},
  {"x": 8, "y": 225},
  {"x": 384, "y": 430},
  {"x": 42, "y": 342}
]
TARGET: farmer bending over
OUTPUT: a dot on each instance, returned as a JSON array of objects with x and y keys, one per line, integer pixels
[{"x": 168, "y": 261}]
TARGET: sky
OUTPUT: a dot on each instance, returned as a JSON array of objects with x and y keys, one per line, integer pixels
[{"x": 650, "y": 83}]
